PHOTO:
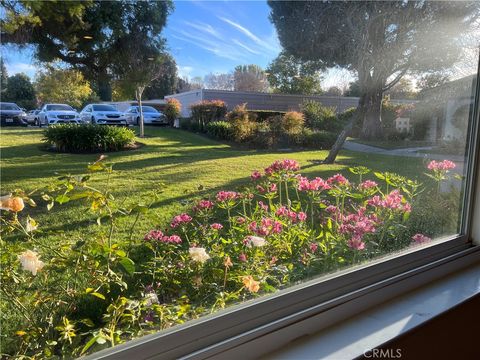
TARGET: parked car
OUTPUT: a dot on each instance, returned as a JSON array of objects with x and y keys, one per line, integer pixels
[
  {"x": 102, "y": 114},
  {"x": 11, "y": 114},
  {"x": 32, "y": 117},
  {"x": 150, "y": 115},
  {"x": 51, "y": 114}
]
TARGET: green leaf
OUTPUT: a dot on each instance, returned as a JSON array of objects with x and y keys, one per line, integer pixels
[
  {"x": 100, "y": 296},
  {"x": 379, "y": 175},
  {"x": 89, "y": 344},
  {"x": 61, "y": 199},
  {"x": 89, "y": 290},
  {"x": 121, "y": 253},
  {"x": 128, "y": 265}
]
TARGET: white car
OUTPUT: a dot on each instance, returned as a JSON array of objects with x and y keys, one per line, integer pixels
[
  {"x": 150, "y": 115},
  {"x": 51, "y": 114},
  {"x": 102, "y": 114}
]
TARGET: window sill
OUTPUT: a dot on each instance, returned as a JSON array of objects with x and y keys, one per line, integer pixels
[{"x": 374, "y": 327}]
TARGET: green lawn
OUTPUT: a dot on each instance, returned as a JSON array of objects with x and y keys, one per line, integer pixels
[{"x": 182, "y": 160}]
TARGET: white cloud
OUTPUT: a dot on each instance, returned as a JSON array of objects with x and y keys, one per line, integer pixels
[
  {"x": 19, "y": 67},
  {"x": 185, "y": 71}
]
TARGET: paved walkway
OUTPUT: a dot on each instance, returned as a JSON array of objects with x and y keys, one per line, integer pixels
[{"x": 411, "y": 152}]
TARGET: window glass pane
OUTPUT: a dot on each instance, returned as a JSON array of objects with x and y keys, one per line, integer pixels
[{"x": 321, "y": 135}]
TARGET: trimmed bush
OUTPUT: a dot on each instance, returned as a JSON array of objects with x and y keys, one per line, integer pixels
[
  {"x": 220, "y": 130},
  {"x": 293, "y": 123},
  {"x": 239, "y": 112},
  {"x": 207, "y": 111},
  {"x": 319, "y": 117},
  {"x": 88, "y": 138},
  {"x": 243, "y": 130},
  {"x": 172, "y": 110}
]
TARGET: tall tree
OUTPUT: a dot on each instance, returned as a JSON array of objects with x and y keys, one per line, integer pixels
[
  {"x": 333, "y": 91},
  {"x": 250, "y": 78},
  {"x": 402, "y": 90},
  {"x": 166, "y": 83},
  {"x": 3, "y": 78},
  {"x": 140, "y": 66},
  {"x": 432, "y": 80},
  {"x": 59, "y": 85},
  {"x": 380, "y": 40},
  {"x": 82, "y": 34},
  {"x": 353, "y": 89},
  {"x": 290, "y": 75},
  {"x": 20, "y": 91},
  {"x": 219, "y": 81}
]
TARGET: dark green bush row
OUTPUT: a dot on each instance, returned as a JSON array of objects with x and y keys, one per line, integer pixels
[
  {"x": 263, "y": 115},
  {"x": 88, "y": 138},
  {"x": 220, "y": 129}
]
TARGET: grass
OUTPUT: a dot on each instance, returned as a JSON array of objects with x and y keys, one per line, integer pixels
[
  {"x": 393, "y": 144},
  {"x": 183, "y": 161}
]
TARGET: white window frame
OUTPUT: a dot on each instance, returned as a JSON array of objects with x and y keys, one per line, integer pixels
[{"x": 260, "y": 325}]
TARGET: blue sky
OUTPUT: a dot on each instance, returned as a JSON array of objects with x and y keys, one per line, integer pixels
[{"x": 204, "y": 37}]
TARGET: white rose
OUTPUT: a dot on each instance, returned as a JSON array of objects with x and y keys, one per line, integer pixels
[
  {"x": 151, "y": 298},
  {"x": 30, "y": 261},
  {"x": 198, "y": 254}
]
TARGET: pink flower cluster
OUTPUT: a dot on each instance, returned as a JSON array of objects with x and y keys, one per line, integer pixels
[
  {"x": 223, "y": 196},
  {"x": 157, "y": 235},
  {"x": 203, "y": 205},
  {"x": 421, "y": 239},
  {"x": 367, "y": 184},
  {"x": 317, "y": 184},
  {"x": 357, "y": 225},
  {"x": 270, "y": 188},
  {"x": 180, "y": 219},
  {"x": 444, "y": 165},
  {"x": 216, "y": 226},
  {"x": 290, "y": 214},
  {"x": 282, "y": 165},
  {"x": 266, "y": 227},
  {"x": 255, "y": 175},
  {"x": 394, "y": 201},
  {"x": 337, "y": 179}
]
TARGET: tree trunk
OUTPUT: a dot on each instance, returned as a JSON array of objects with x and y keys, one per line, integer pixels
[
  {"x": 356, "y": 116},
  {"x": 372, "y": 122},
  {"x": 104, "y": 86},
  {"x": 139, "y": 92}
]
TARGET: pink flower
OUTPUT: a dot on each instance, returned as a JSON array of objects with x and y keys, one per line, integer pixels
[
  {"x": 240, "y": 220},
  {"x": 367, "y": 184},
  {"x": 263, "y": 206},
  {"x": 203, "y": 204},
  {"x": 339, "y": 179},
  {"x": 242, "y": 257},
  {"x": 158, "y": 235},
  {"x": 444, "y": 165},
  {"x": 216, "y": 226},
  {"x": 174, "y": 239},
  {"x": 420, "y": 239},
  {"x": 302, "y": 216},
  {"x": 153, "y": 235},
  {"x": 256, "y": 175},
  {"x": 180, "y": 219},
  {"x": 331, "y": 209},
  {"x": 272, "y": 188},
  {"x": 223, "y": 196},
  {"x": 281, "y": 211},
  {"x": 313, "y": 247},
  {"x": 317, "y": 184},
  {"x": 356, "y": 243},
  {"x": 280, "y": 166}
]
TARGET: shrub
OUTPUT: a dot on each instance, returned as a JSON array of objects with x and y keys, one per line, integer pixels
[
  {"x": 319, "y": 117},
  {"x": 262, "y": 138},
  {"x": 207, "y": 111},
  {"x": 318, "y": 139},
  {"x": 88, "y": 138},
  {"x": 172, "y": 110},
  {"x": 220, "y": 129},
  {"x": 239, "y": 112},
  {"x": 293, "y": 122},
  {"x": 243, "y": 130},
  {"x": 263, "y": 115}
]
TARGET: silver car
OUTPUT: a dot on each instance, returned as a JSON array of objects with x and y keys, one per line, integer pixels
[
  {"x": 32, "y": 117},
  {"x": 150, "y": 115},
  {"x": 102, "y": 114}
]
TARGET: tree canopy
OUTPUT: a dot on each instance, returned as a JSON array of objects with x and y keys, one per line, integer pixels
[
  {"x": 63, "y": 86},
  {"x": 84, "y": 34},
  {"x": 250, "y": 78},
  {"x": 290, "y": 75},
  {"x": 379, "y": 40},
  {"x": 20, "y": 90}
]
